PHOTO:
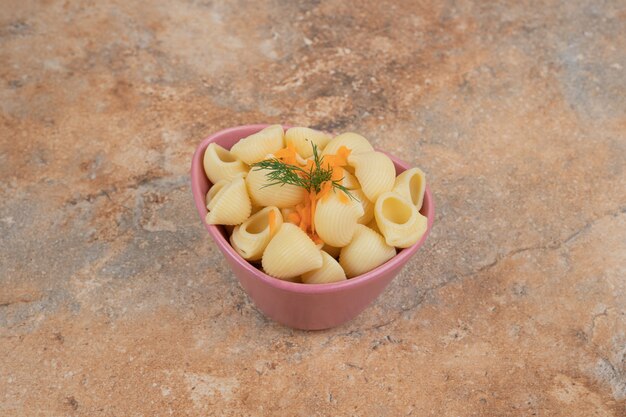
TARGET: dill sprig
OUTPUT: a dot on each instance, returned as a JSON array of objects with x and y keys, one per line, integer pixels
[{"x": 281, "y": 173}]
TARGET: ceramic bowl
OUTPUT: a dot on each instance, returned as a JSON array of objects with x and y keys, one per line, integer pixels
[{"x": 301, "y": 306}]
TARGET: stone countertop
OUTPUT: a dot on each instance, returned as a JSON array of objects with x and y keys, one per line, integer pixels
[{"x": 114, "y": 301}]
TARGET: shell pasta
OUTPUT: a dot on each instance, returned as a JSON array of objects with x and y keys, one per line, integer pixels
[
  {"x": 335, "y": 221},
  {"x": 254, "y": 148},
  {"x": 366, "y": 251},
  {"x": 312, "y": 209},
  {"x": 262, "y": 194},
  {"x": 303, "y": 137},
  {"x": 220, "y": 164},
  {"x": 291, "y": 253},
  {"x": 411, "y": 184},
  {"x": 251, "y": 237},
  {"x": 375, "y": 173},
  {"x": 230, "y": 205},
  {"x": 398, "y": 220},
  {"x": 330, "y": 271},
  {"x": 353, "y": 141}
]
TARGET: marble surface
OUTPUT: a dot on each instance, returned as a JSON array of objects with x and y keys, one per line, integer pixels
[{"x": 115, "y": 302}]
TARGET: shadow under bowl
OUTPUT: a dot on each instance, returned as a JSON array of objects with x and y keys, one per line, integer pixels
[{"x": 300, "y": 306}]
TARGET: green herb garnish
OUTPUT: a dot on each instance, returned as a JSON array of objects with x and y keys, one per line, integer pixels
[{"x": 281, "y": 173}]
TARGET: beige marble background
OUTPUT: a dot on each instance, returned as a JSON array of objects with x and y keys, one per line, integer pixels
[{"x": 115, "y": 302}]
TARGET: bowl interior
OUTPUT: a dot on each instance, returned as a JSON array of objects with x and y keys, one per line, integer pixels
[{"x": 200, "y": 185}]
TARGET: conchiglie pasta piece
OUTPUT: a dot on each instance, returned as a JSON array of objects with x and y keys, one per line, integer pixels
[
  {"x": 336, "y": 220},
  {"x": 353, "y": 141},
  {"x": 215, "y": 188},
  {"x": 303, "y": 139},
  {"x": 251, "y": 237},
  {"x": 330, "y": 271},
  {"x": 398, "y": 220},
  {"x": 366, "y": 251},
  {"x": 220, "y": 164},
  {"x": 281, "y": 196},
  {"x": 230, "y": 205},
  {"x": 375, "y": 172},
  {"x": 254, "y": 148},
  {"x": 411, "y": 184},
  {"x": 290, "y": 253}
]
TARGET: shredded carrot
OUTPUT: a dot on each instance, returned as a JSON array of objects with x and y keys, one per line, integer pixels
[
  {"x": 340, "y": 159},
  {"x": 287, "y": 154},
  {"x": 337, "y": 174},
  {"x": 293, "y": 218},
  {"x": 304, "y": 215}
]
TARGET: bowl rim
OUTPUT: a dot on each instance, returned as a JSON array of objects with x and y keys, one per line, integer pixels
[{"x": 400, "y": 258}]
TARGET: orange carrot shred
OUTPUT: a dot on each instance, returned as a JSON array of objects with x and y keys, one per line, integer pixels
[
  {"x": 337, "y": 174},
  {"x": 287, "y": 154},
  {"x": 293, "y": 218}
]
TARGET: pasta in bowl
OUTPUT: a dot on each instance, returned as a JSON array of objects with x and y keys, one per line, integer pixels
[{"x": 310, "y": 254}]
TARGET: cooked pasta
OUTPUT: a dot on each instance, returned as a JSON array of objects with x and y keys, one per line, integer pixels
[
  {"x": 353, "y": 141},
  {"x": 313, "y": 217},
  {"x": 290, "y": 253},
  {"x": 375, "y": 172},
  {"x": 411, "y": 184},
  {"x": 213, "y": 191},
  {"x": 255, "y": 147},
  {"x": 262, "y": 194},
  {"x": 335, "y": 220},
  {"x": 398, "y": 220},
  {"x": 366, "y": 251},
  {"x": 230, "y": 205},
  {"x": 303, "y": 138},
  {"x": 221, "y": 164},
  {"x": 330, "y": 271},
  {"x": 251, "y": 237}
]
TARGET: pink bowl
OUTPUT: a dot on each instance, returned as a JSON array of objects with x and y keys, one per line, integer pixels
[{"x": 301, "y": 306}]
